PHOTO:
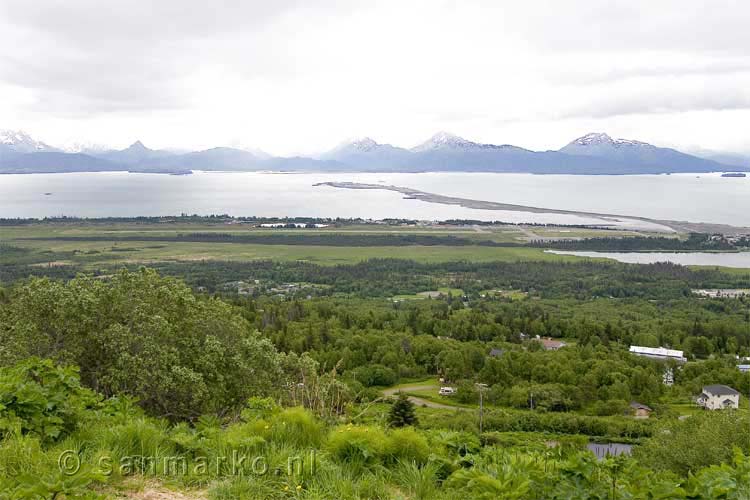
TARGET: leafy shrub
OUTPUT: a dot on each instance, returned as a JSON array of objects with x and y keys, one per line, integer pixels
[
  {"x": 375, "y": 375},
  {"x": 43, "y": 399},
  {"x": 478, "y": 485},
  {"x": 145, "y": 336},
  {"x": 698, "y": 441},
  {"x": 566, "y": 423}
]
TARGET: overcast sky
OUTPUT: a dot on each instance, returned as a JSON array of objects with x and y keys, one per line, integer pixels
[{"x": 301, "y": 76}]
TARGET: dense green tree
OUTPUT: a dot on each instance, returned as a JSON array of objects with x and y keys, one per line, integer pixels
[
  {"x": 145, "y": 336},
  {"x": 402, "y": 412}
]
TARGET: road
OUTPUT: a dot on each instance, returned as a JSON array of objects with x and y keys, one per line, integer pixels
[{"x": 420, "y": 401}]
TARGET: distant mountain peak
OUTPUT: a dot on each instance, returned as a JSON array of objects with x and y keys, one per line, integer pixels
[
  {"x": 593, "y": 138},
  {"x": 364, "y": 144},
  {"x": 137, "y": 146},
  {"x": 602, "y": 138},
  {"x": 358, "y": 145},
  {"x": 445, "y": 140},
  {"x": 12, "y": 137},
  {"x": 22, "y": 142},
  {"x": 452, "y": 142}
]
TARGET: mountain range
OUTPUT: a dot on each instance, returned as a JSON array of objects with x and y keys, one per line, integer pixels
[{"x": 595, "y": 153}]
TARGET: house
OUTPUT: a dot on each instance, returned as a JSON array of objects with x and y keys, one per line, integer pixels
[
  {"x": 743, "y": 368},
  {"x": 496, "y": 353},
  {"x": 640, "y": 410},
  {"x": 660, "y": 353},
  {"x": 551, "y": 344},
  {"x": 718, "y": 397}
]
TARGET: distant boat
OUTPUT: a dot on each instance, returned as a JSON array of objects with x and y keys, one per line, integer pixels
[
  {"x": 47, "y": 194},
  {"x": 734, "y": 174}
]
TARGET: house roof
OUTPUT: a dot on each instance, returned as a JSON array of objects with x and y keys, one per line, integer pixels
[
  {"x": 720, "y": 390},
  {"x": 549, "y": 343},
  {"x": 638, "y": 406},
  {"x": 659, "y": 352},
  {"x": 496, "y": 353}
]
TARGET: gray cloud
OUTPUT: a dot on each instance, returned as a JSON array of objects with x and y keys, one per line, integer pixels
[
  {"x": 86, "y": 56},
  {"x": 299, "y": 73}
]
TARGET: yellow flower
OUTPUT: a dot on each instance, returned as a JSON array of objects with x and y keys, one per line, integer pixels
[
  {"x": 286, "y": 488},
  {"x": 299, "y": 487},
  {"x": 268, "y": 427}
]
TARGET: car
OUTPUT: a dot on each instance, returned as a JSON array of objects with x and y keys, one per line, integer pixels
[{"x": 447, "y": 391}]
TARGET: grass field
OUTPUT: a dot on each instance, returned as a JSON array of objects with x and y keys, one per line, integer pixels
[
  {"x": 46, "y": 249},
  {"x": 93, "y": 253}
]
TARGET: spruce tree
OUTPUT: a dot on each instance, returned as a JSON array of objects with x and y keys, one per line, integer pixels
[{"x": 402, "y": 412}]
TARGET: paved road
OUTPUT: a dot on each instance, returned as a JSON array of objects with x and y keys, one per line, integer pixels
[{"x": 420, "y": 401}]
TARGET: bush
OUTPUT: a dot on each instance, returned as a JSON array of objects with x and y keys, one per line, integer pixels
[
  {"x": 296, "y": 427},
  {"x": 361, "y": 445},
  {"x": 567, "y": 423},
  {"x": 145, "y": 336},
  {"x": 407, "y": 446},
  {"x": 698, "y": 441},
  {"x": 375, "y": 375},
  {"x": 40, "y": 398}
]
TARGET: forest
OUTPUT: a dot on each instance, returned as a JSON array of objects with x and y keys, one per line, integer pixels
[{"x": 135, "y": 368}]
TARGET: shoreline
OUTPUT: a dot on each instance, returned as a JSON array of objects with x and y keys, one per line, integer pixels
[{"x": 671, "y": 226}]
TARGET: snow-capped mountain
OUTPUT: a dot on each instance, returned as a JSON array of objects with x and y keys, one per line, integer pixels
[
  {"x": 17, "y": 141},
  {"x": 365, "y": 153},
  {"x": 448, "y": 141},
  {"x": 632, "y": 154},
  {"x": 595, "y": 153},
  {"x": 361, "y": 145},
  {"x": 601, "y": 138}
]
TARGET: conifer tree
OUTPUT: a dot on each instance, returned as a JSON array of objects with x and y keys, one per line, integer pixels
[{"x": 402, "y": 412}]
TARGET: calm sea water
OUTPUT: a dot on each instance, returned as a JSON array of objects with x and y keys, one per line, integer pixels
[
  {"x": 739, "y": 260},
  {"x": 703, "y": 198}
]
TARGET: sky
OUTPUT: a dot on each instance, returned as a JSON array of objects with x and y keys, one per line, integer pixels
[{"x": 299, "y": 77}]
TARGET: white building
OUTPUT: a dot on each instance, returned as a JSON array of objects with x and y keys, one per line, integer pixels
[
  {"x": 658, "y": 353},
  {"x": 718, "y": 397},
  {"x": 726, "y": 293},
  {"x": 668, "y": 377}
]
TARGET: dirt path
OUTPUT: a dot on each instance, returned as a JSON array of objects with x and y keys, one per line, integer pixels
[
  {"x": 153, "y": 490},
  {"x": 420, "y": 401}
]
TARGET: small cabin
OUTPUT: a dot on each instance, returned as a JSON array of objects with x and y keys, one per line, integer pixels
[{"x": 640, "y": 410}]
